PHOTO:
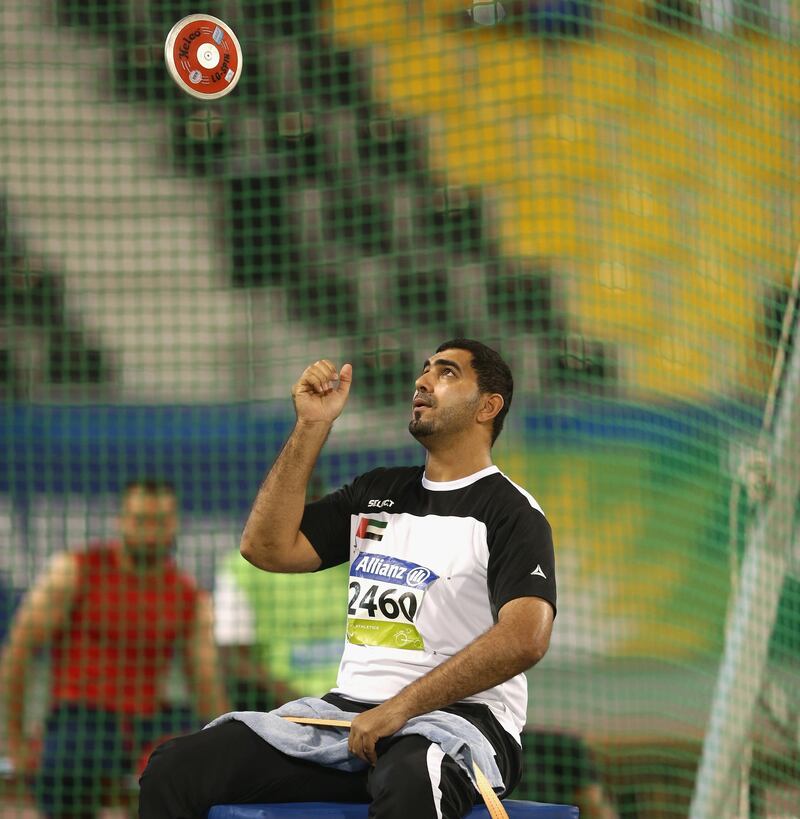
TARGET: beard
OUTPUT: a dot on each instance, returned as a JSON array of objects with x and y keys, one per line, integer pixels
[
  {"x": 445, "y": 422},
  {"x": 421, "y": 429}
]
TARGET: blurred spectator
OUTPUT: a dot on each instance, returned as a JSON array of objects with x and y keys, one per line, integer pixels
[
  {"x": 281, "y": 637},
  {"x": 559, "y": 768},
  {"x": 546, "y": 18},
  {"x": 559, "y": 18},
  {"x": 8, "y": 601},
  {"x": 678, "y": 15},
  {"x": 109, "y": 617},
  {"x": 764, "y": 16}
]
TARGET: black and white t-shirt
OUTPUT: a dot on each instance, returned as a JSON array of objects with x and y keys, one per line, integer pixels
[{"x": 431, "y": 565}]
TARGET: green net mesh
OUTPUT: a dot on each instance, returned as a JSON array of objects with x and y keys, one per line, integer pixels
[{"x": 606, "y": 192}]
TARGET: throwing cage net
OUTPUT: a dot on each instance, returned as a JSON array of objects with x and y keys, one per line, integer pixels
[{"x": 606, "y": 192}]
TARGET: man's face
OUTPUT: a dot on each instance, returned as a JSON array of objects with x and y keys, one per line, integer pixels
[
  {"x": 446, "y": 397},
  {"x": 149, "y": 523}
]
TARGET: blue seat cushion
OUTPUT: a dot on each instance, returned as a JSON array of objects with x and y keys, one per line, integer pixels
[{"x": 335, "y": 810}]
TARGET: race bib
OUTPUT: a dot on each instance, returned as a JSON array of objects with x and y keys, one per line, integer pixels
[{"x": 385, "y": 595}]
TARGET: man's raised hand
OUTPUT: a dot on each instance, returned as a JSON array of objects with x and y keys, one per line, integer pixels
[{"x": 321, "y": 392}]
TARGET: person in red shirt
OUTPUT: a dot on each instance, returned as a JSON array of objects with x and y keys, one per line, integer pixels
[{"x": 111, "y": 617}]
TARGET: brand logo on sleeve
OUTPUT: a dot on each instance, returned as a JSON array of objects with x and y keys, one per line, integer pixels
[{"x": 538, "y": 571}]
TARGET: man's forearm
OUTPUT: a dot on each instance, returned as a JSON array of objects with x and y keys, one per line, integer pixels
[
  {"x": 496, "y": 656},
  {"x": 13, "y": 676},
  {"x": 240, "y": 665},
  {"x": 211, "y": 700},
  {"x": 209, "y": 693},
  {"x": 275, "y": 517},
  {"x": 505, "y": 650}
]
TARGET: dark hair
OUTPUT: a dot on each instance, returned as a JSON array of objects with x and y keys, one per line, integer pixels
[
  {"x": 150, "y": 486},
  {"x": 494, "y": 375}
]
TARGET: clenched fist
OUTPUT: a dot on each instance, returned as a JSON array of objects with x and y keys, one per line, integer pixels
[{"x": 321, "y": 392}]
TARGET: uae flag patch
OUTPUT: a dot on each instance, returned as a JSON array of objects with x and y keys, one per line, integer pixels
[{"x": 370, "y": 529}]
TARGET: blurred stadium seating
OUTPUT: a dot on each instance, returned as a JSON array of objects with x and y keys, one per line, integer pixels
[{"x": 625, "y": 142}]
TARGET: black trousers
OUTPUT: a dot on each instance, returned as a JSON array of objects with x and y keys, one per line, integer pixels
[{"x": 231, "y": 764}]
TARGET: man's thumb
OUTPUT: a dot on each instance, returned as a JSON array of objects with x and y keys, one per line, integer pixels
[{"x": 345, "y": 378}]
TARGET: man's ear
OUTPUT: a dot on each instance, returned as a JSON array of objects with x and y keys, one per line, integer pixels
[{"x": 491, "y": 404}]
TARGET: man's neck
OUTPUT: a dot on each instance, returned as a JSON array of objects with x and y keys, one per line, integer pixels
[
  {"x": 452, "y": 463},
  {"x": 128, "y": 563}
]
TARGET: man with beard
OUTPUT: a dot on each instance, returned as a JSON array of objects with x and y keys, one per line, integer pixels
[
  {"x": 110, "y": 617},
  {"x": 451, "y": 600}
]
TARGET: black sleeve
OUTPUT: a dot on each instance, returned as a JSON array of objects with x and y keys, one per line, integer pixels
[
  {"x": 326, "y": 524},
  {"x": 521, "y": 559}
]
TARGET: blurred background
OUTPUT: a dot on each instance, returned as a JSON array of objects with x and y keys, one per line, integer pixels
[{"x": 604, "y": 190}]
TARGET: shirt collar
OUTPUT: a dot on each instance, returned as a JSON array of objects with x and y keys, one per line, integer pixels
[{"x": 460, "y": 483}]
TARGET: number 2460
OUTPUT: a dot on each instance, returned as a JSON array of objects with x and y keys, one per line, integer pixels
[{"x": 389, "y": 607}]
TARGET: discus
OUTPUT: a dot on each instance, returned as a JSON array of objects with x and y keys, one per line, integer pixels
[{"x": 203, "y": 56}]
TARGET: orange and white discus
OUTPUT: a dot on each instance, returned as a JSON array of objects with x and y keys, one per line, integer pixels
[{"x": 203, "y": 56}]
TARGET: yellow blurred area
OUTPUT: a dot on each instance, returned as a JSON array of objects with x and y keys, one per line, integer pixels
[
  {"x": 608, "y": 524},
  {"x": 663, "y": 166}
]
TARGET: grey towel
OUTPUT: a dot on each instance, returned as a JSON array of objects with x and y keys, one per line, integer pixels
[{"x": 457, "y": 737}]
